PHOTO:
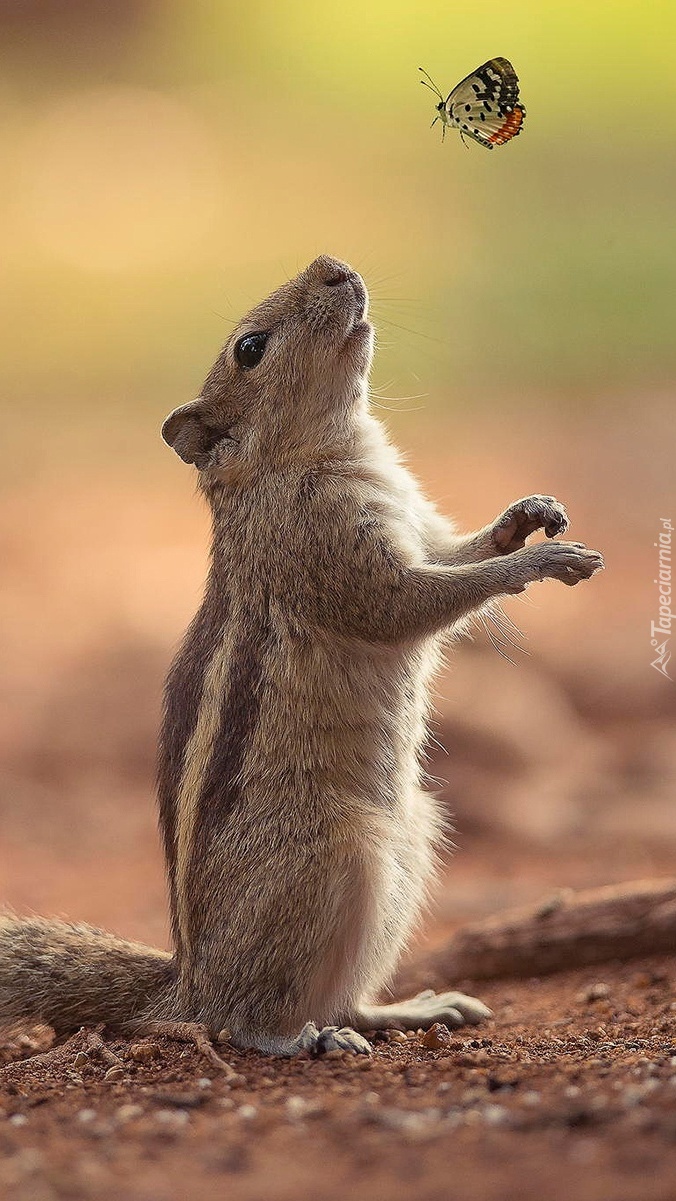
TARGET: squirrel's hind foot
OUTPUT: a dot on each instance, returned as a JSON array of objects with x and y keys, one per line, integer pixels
[
  {"x": 331, "y": 1038},
  {"x": 422, "y": 1011},
  {"x": 185, "y": 1032}
]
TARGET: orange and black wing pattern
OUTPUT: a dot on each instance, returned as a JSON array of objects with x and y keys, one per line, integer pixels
[{"x": 485, "y": 106}]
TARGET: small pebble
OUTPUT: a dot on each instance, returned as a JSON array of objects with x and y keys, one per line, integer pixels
[
  {"x": 224, "y": 1035},
  {"x": 531, "y": 1098},
  {"x": 172, "y": 1117},
  {"x": 437, "y": 1037},
  {"x": 247, "y": 1112},
  {"x": 114, "y": 1073},
  {"x": 472, "y": 1116},
  {"x": 297, "y": 1107},
  {"x": 144, "y": 1052},
  {"x": 594, "y": 992},
  {"x": 18, "y": 1119},
  {"x": 411, "y": 1126},
  {"x": 635, "y": 1093},
  {"x": 396, "y": 1036},
  {"x": 126, "y": 1112},
  {"x": 495, "y": 1115},
  {"x": 81, "y": 1060},
  {"x": 86, "y": 1115}
]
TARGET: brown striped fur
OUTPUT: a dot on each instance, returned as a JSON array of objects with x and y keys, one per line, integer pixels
[{"x": 299, "y": 840}]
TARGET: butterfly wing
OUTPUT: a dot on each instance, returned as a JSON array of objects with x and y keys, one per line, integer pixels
[{"x": 485, "y": 106}]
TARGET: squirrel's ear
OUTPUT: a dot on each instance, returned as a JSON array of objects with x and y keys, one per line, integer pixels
[{"x": 187, "y": 432}]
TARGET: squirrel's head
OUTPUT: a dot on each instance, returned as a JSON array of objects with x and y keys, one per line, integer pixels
[{"x": 287, "y": 382}]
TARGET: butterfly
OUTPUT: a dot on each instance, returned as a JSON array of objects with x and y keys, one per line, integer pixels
[{"x": 484, "y": 105}]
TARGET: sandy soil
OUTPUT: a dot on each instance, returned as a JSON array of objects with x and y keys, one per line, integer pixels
[{"x": 569, "y": 1091}]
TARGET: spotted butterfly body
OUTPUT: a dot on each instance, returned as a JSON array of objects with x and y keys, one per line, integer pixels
[{"x": 485, "y": 105}]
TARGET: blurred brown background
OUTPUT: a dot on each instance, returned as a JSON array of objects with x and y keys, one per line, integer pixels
[{"x": 165, "y": 165}]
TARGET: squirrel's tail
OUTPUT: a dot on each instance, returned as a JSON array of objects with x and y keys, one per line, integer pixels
[{"x": 70, "y": 975}]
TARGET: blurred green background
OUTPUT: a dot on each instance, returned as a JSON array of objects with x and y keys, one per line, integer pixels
[{"x": 166, "y": 164}]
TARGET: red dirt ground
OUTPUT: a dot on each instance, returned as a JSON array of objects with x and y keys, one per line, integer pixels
[{"x": 560, "y": 1095}]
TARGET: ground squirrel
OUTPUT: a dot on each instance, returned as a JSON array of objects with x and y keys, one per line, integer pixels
[{"x": 299, "y": 842}]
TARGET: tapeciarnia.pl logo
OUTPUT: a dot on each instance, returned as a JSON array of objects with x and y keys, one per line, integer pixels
[{"x": 660, "y": 630}]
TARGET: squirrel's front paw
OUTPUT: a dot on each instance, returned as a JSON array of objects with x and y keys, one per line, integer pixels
[
  {"x": 524, "y": 517},
  {"x": 568, "y": 562}
]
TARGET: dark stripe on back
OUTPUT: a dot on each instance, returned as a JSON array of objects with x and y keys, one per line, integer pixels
[
  {"x": 182, "y": 696},
  {"x": 222, "y": 785}
]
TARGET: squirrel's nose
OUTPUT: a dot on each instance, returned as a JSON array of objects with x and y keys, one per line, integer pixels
[
  {"x": 340, "y": 277},
  {"x": 331, "y": 272}
]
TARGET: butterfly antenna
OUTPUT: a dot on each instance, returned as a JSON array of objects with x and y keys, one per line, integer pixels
[{"x": 431, "y": 85}]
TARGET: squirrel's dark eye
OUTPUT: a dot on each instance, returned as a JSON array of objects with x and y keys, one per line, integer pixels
[{"x": 249, "y": 350}]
